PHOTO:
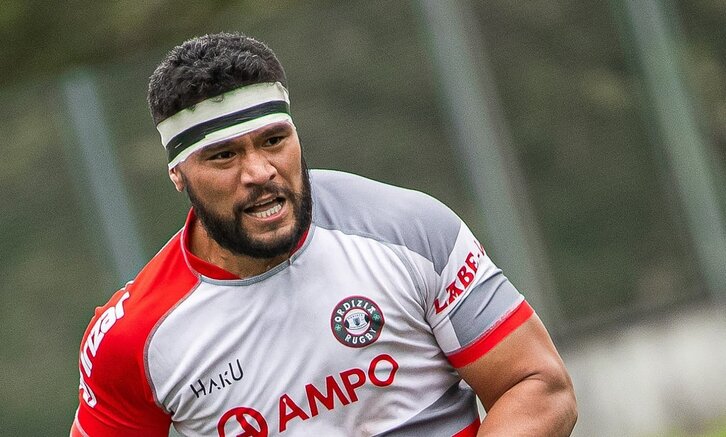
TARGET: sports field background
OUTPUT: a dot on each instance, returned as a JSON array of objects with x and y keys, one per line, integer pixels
[{"x": 583, "y": 141}]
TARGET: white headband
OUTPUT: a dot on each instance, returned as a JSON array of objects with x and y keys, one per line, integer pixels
[{"x": 223, "y": 117}]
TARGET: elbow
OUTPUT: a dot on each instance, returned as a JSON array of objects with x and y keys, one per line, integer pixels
[
  {"x": 567, "y": 407},
  {"x": 570, "y": 410},
  {"x": 561, "y": 405},
  {"x": 565, "y": 400}
]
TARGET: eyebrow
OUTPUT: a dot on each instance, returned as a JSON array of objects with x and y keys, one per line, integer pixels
[{"x": 276, "y": 128}]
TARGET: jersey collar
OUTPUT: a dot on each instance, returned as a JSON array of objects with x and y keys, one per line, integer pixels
[{"x": 212, "y": 270}]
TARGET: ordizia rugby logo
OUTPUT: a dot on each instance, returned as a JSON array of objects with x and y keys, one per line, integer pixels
[{"x": 356, "y": 321}]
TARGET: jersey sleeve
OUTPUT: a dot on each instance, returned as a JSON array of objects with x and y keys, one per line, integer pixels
[
  {"x": 471, "y": 306},
  {"x": 114, "y": 396},
  {"x": 467, "y": 301}
]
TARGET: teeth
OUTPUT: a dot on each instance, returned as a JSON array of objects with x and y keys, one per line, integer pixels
[
  {"x": 263, "y": 203},
  {"x": 268, "y": 212}
]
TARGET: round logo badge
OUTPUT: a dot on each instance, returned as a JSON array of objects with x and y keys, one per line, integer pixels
[{"x": 356, "y": 321}]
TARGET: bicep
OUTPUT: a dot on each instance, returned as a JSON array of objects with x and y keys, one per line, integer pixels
[{"x": 525, "y": 354}]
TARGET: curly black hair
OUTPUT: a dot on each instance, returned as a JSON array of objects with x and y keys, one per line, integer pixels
[{"x": 208, "y": 66}]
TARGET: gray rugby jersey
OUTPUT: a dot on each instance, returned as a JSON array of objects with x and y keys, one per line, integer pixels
[{"x": 358, "y": 334}]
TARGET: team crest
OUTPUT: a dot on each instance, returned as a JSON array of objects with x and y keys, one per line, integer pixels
[{"x": 356, "y": 321}]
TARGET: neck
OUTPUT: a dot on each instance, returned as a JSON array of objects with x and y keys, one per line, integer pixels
[{"x": 206, "y": 248}]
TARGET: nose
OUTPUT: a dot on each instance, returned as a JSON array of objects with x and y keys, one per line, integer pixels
[{"x": 257, "y": 169}]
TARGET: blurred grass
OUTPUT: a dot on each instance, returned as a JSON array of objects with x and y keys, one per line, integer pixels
[{"x": 713, "y": 429}]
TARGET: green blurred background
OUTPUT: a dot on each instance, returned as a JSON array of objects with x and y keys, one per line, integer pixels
[{"x": 586, "y": 147}]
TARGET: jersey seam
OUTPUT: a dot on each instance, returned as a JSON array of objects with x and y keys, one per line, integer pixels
[
  {"x": 373, "y": 237},
  {"x": 147, "y": 344},
  {"x": 395, "y": 248},
  {"x": 471, "y": 290},
  {"x": 484, "y": 335},
  {"x": 79, "y": 426},
  {"x": 415, "y": 414},
  {"x": 445, "y": 315},
  {"x": 385, "y": 243}
]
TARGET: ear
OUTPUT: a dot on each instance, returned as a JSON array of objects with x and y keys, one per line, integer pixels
[{"x": 177, "y": 178}]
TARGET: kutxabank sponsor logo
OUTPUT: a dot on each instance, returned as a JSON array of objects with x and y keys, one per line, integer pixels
[{"x": 356, "y": 321}]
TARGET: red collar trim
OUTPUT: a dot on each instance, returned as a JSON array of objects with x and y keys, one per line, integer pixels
[
  {"x": 300, "y": 242},
  {"x": 212, "y": 270}
]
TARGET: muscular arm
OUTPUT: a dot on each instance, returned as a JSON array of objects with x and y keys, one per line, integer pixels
[{"x": 523, "y": 385}]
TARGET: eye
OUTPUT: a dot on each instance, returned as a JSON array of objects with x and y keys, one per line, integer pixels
[
  {"x": 223, "y": 154},
  {"x": 273, "y": 141}
]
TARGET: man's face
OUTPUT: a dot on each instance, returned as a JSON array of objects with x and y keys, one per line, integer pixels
[{"x": 251, "y": 193}]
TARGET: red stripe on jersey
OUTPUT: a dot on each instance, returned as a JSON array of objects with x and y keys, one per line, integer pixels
[
  {"x": 116, "y": 398},
  {"x": 470, "y": 430},
  {"x": 485, "y": 343}
]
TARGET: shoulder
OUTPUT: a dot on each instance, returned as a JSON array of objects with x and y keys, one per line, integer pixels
[
  {"x": 112, "y": 353},
  {"x": 360, "y": 206},
  {"x": 133, "y": 311}
]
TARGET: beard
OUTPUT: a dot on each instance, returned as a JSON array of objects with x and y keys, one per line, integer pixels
[{"x": 232, "y": 235}]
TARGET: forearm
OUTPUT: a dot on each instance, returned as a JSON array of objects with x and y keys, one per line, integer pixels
[{"x": 532, "y": 408}]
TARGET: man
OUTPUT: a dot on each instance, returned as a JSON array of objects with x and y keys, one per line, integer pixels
[{"x": 305, "y": 303}]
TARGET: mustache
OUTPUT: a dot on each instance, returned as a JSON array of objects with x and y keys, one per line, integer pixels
[{"x": 259, "y": 191}]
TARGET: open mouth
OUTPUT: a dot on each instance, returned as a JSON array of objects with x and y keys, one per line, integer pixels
[{"x": 266, "y": 208}]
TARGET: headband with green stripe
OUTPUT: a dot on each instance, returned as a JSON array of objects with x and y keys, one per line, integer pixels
[{"x": 223, "y": 117}]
